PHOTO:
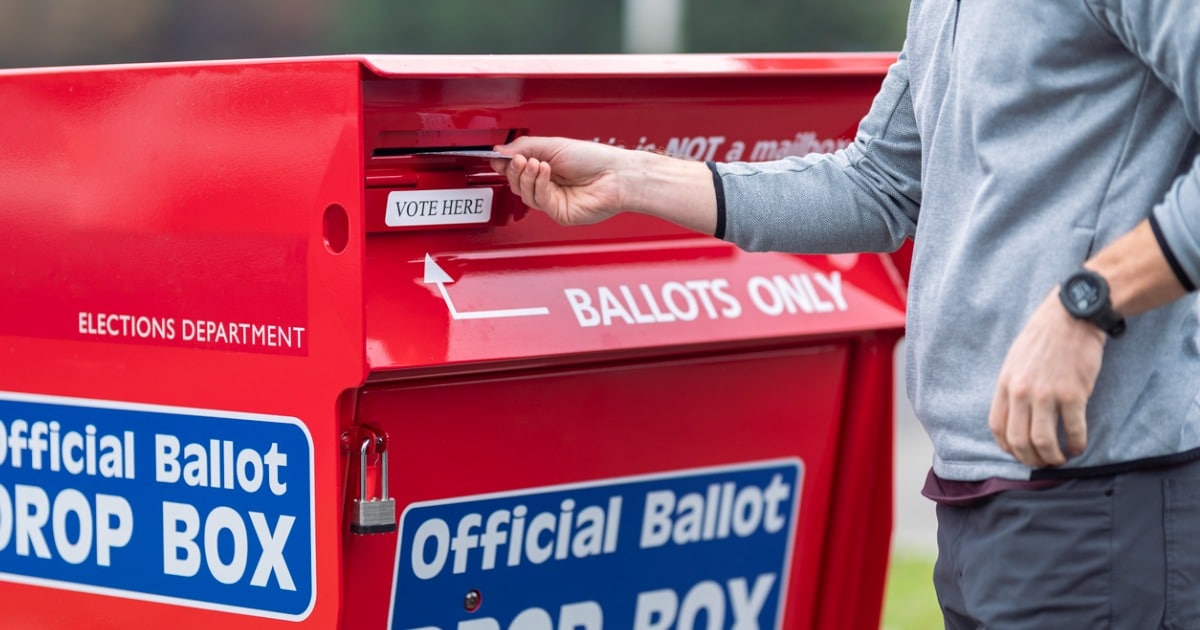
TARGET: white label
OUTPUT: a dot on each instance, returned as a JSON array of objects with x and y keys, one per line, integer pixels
[{"x": 464, "y": 206}]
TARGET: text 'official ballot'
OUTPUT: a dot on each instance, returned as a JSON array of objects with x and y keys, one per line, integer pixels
[
  {"x": 207, "y": 509},
  {"x": 704, "y": 548}
]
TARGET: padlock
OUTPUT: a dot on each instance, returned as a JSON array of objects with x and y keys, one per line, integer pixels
[{"x": 376, "y": 515}]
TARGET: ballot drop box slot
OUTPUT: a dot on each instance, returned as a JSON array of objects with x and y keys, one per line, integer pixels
[{"x": 273, "y": 357}]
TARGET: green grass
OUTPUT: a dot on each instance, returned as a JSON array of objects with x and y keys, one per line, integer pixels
[{"x": 909, "y": 602}]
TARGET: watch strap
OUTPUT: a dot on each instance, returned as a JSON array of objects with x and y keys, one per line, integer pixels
[{"x": 1109, "y": 320}]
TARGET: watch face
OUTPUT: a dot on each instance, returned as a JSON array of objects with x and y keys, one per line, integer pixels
[{"x": 1084, "y": 294}]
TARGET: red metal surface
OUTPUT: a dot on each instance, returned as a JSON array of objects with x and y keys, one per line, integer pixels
[
  {"x": 251, "y": 193},
  {"x": 192, "y": 192},
  {"x": 654, "y": 416}
]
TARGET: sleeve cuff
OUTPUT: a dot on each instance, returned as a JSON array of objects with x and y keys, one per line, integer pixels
[
  {"x": 719, "y": 187},
  {"x": 1169, "y": 253}
]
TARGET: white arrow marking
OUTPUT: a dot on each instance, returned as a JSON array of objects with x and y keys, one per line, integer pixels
[{"x": 436, "y": 275}]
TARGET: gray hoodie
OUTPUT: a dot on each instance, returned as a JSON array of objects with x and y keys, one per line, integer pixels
[{"x": 1012, "y": 140}]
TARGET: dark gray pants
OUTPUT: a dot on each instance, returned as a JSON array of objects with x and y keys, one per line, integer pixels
[{"x": 1117, "y": 552}]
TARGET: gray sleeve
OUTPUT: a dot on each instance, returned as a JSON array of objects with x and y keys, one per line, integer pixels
[
  {"x": 865, "y": 197},
  {"x": 1165, "y": 35}
]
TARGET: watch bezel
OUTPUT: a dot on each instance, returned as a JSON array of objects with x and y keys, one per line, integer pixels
[
  {"x": 1097, "y": 284},
  {"x": 1100, "y": 313}
]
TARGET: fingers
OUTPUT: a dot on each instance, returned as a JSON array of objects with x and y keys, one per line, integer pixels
[
  {"x": 1043, "y": 431},
  {"x": 1075, "y": 424},
  {"x": 528, "y": 182},
  {"x": 516, "y": 167},
  {"x": 542, "y": 190},
  {"x": 512, "y": 172},
  {"x": 529, "y": 178},
  {"x": 1026, "y": 426},
  {"x": 1017, "y": 433},
  {"x": 998, "y": 419},
  {"x": 518, "y": 150}
]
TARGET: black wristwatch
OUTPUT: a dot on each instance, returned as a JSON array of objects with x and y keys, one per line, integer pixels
[{"x": 1085, "y": 296}]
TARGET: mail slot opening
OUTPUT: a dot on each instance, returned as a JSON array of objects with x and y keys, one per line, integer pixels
[
  {"x": 402, "y": 143},
  {"x": 426, "y": 151}
]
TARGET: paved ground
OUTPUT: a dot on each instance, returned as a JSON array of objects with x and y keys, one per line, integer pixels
[{"x": 915, "y": 524}]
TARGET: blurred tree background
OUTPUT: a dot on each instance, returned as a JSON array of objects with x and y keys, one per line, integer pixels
[{"x": 68, "y": 32}]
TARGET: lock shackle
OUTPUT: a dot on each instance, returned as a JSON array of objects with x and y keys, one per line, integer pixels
[
  {"x": 383, "y": 484},
  {"x": 377, "y": 435},
  {"x": 362, "y": 469}
]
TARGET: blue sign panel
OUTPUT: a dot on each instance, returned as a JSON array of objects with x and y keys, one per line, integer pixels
[
  {"x": 208, "y": 509},
  {"x": 703, "y": 548}
]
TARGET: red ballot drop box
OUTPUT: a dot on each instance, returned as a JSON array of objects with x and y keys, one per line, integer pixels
[{"x": 270, "y": 357}]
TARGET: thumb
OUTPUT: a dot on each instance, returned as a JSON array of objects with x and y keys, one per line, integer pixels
[
  {"x": 538, "y": 147},
  {"x": 516, "y": 146}
]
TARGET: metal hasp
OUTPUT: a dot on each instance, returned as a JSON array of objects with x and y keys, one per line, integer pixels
[{"x": 376, "y": 515}]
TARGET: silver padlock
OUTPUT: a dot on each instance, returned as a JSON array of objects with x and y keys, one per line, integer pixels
[{"x": 376, "y": 515}]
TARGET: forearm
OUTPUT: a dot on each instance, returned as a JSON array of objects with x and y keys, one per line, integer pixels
[
  {"x": 679, "y": 191},
  {"x": 865, "y": 197},
  {"x": 1137, "y": 271},
  {"x": 818, "y": 204},
  {"x": 1143, "y": 274}
]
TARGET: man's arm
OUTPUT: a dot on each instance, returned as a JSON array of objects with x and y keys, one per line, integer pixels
[
  {"x": 1052, "y": 366},
  {"x": 1138, "y": 272},
  {"x": 865, "y": 197},
  {"x": 1053, "y": 363}
]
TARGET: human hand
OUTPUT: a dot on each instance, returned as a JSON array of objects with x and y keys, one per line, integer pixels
[
  {"x": 575, "y": 182},
  {"x": 1049, "y": 373}
]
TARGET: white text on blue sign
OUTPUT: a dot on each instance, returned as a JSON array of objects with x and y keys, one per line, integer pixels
[
  {"x": 709, "y": 547},
  {"x": 205, "y": 509}
]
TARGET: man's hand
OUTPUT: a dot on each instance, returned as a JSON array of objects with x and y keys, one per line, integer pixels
[
  {"x": 1052, "y": 366},
  {"x": 577, "y": 182},
  {"x": 1049, "y": 373},
  {"x": 574, "y": 181}
]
